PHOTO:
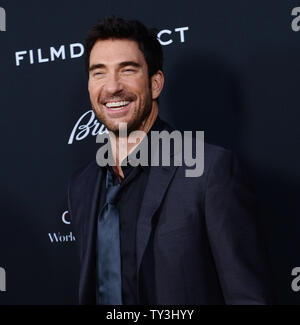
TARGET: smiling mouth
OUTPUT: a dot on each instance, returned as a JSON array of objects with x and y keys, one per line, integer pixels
[{"x": 117, "y": 106}]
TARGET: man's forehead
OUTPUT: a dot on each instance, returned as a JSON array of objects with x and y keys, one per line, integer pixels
[{"x": 114, "y": 51}]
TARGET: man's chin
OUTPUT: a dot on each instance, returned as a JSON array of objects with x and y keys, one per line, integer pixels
[
  {"x": 119, "y": 129},
  {"x": 112, "y": 126},
  {"x": 121, "y": 126}
]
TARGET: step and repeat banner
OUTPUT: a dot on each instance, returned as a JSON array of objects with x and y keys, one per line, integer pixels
[{"x": 232, "y": 69}]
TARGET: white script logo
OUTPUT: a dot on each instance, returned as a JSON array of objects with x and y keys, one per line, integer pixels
[{"x": 86, "y": 124}]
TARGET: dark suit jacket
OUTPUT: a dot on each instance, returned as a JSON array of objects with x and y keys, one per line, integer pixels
[{"x": 197, "y": 238}]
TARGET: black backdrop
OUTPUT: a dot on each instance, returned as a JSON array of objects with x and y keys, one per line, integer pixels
[{"x": 232, "y": 70}]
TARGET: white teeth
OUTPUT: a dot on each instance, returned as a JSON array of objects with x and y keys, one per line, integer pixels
[{"x": 116, "y": 105}]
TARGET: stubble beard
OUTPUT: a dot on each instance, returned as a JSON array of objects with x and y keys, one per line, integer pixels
[{"x": 135, "y": 123}]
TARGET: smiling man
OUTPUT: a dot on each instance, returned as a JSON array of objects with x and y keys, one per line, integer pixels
[
  {"x": 149, "y": 234},
  {"x": 120, "y": 90},
  {"x": 119, "y": 87}
]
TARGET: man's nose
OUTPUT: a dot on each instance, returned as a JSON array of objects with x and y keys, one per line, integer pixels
[{"x": 113, "y": 84}]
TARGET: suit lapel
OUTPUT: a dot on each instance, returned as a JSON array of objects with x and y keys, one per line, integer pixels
[
  {"x": 89, "y": 217},
  {"x": 92, "y": 196},
  {"x": 159, "y": 179}
]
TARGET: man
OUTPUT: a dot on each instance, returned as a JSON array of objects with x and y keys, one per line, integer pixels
[{"x": 164, "y": 238}]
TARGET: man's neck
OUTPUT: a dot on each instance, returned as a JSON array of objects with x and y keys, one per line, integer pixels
[{"x": 121, "y": 148}]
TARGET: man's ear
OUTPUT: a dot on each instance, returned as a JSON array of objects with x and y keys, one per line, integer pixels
[{"x": 157, "y": 84}]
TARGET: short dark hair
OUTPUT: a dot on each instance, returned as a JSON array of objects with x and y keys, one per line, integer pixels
[{"x": 119, "y": 28}]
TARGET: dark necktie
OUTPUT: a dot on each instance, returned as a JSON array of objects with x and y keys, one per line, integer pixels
[{"x": 108, "y": 248}]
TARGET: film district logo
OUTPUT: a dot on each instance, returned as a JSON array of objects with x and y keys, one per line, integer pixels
[{"x": 76, "y": 50}]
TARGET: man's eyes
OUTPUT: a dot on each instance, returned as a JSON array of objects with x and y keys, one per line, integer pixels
[
  {"x": 127, "y": 71},
  {"x": 96, "y": 73}
]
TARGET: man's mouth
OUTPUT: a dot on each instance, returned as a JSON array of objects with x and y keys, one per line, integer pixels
[{"x": 116, "y": 106}]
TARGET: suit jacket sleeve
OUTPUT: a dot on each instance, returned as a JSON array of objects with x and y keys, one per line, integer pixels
[{"x": 234, "y": 233}]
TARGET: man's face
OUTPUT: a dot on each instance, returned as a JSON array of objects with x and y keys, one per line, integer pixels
[{"x": 119, "y": 85}]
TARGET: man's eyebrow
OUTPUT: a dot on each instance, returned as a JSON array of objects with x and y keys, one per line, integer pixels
[
  {"x": 132, "y": 63},
  {"x": 96, "y": 66},
  {"x": 121, "y": 65}
]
